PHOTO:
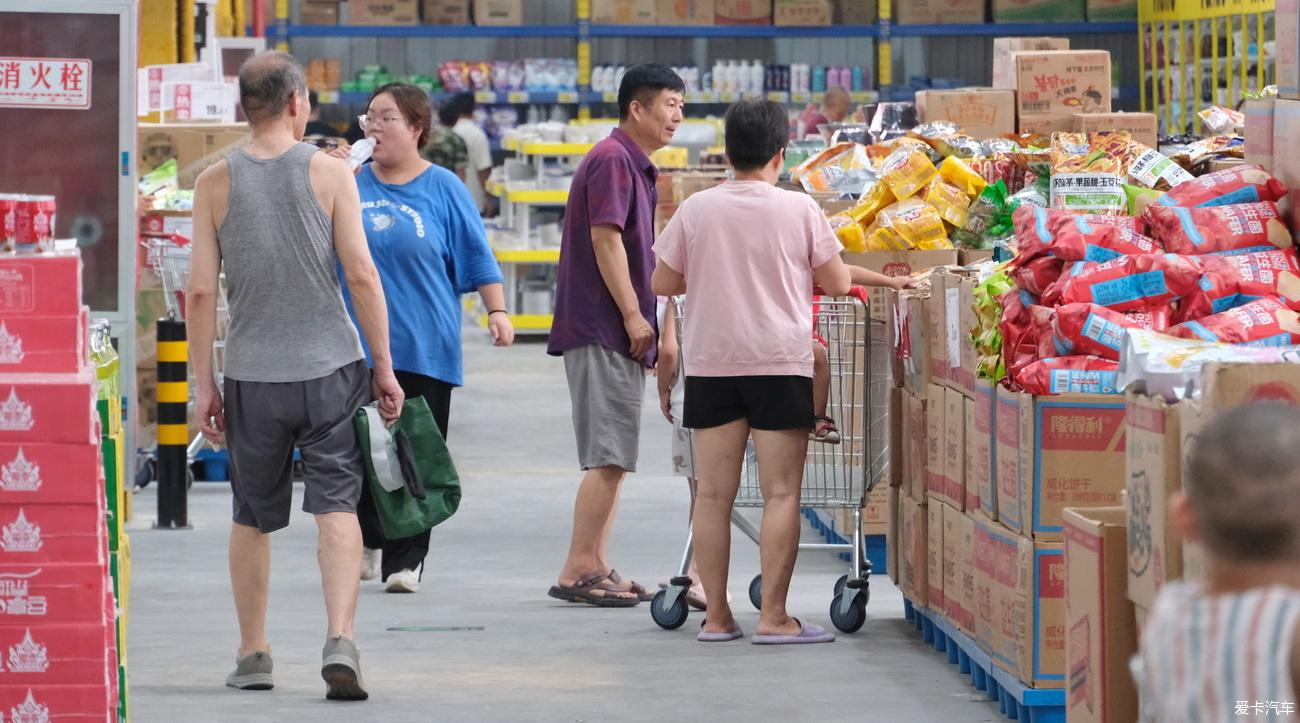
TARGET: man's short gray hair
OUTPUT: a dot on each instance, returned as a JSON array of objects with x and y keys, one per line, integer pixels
[{"x": 267, "y": 82}]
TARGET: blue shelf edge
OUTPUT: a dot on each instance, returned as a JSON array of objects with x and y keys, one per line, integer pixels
[
  {"x": 423, "y": 31},
  {"x": 1004, "y": 29},
  {"x": 1015, "y": 700},
  {"x": 733, "y": 31}
]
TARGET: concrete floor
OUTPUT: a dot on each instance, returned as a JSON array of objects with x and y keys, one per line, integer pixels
[{"x": 481, "y": 641}]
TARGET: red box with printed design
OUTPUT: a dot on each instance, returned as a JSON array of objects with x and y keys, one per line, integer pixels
[
  {"x": 38, "y": 655},
  {"x": 45, "y": 344},
  {"x": 53, "y": 533},
  {"x": 40, "y": 285},
  {"x": 45, "y": 474},
  {"x": 61, "y": 703},
  {"x": 52, "y": 593},
  {"x": 49, "y": 408}
]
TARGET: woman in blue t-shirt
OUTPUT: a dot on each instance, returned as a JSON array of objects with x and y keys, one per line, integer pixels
[{"x": 428, "y": 243}]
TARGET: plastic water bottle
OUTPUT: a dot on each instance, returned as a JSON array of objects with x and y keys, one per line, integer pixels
[
  {"x": 857, "y": 79},
  {"x": 756, "y": 77},
  {"x": 361, "y": 151},
  {"x": 718, "y": 78},
  {"x": 818, "y": 79}
]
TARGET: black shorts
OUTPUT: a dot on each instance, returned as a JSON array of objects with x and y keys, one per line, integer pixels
[{"x": 771, "y": 403}]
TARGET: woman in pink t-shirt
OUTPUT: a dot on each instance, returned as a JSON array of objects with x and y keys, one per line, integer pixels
[{"x": 749, "y": 254}]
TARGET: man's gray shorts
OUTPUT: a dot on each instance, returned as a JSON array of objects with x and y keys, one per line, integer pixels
[
  {"x": 265, "y": 421},
  {"x": 606, "y": 389}
]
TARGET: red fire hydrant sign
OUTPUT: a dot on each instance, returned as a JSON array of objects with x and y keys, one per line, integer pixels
[{"x": 44, "y": 83}]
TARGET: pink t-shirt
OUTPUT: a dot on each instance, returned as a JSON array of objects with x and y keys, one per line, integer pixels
[{"x": 748, "y": 250}]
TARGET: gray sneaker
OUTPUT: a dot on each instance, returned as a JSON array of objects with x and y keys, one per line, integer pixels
[
  {"x": 252, "y": 672},
  {"x": 341, "y": 670}
]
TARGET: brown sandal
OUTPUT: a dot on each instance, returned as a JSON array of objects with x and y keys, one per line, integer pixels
[
  {"x": 597, "y": 590},
  {"x": 824, "y": 430},
  {"x": 642, "y": 594}
]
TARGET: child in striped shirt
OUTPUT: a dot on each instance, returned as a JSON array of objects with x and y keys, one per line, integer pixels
[{"x": 1224, "y": 647}]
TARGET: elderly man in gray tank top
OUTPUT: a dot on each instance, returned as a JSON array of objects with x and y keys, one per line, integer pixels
[{"x": 278, "y": 216}]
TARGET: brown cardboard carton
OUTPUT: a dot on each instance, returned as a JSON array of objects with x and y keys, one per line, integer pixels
[
  {"x": 936, "y": 481},
  {"x": 891, "y": 533},
  {"x": 934, "y": 552},
  {"x": 956, "y": 560},
  {"x": 915, "y": 449},
  {"x": 1034, "y": 594},
  {"x": 895, "y": 476},
  {"x": 685, "y": 12},
  {"x": 966, "y": 573},
  {"x": 195, "y": 146},
  {"x": 856, "y": 12},
  {"x": 1286, "y": 34},
  {"x": 1062, "y": 82},
  {"x": 875, "y": 513},
  {"x": 914, "y": 565},
  {"x": 1004, "y": 69},
  {"x": 980, "y": 112},
  {"x": 1046, "y": 124},
  {"x": 965, "y": 374},
  {"x": 318, "y": 12},
  {"x": 446, "y": 12},
  {"x": 896, "y": 263},
  {"x": 1006, "y": 458},
  {"x": 623, "y": 12},
  {"x": 981, "y": 475},
  {"x": 1286, "y": 153},
  {"x": 1101, "y": 628},
  {"x": 498, "y": 12},
  {"x": 1153, "y": 460},
  {"x": 1038, "y": 11},
  {"x": 1259, "y": 132},
  {"x": 910, "y": 333},
  {"x": 954, "y": 446},
  {"x": 383, "y": 12},
  {"x": 967, "y": 257},
  {"x": 743, "y": 12},
  {"x": 1100, "y": 11},
  {"x": 938, "y": 12},
  {"x": 984, "y": 556},
  {"x": 1142, "y": 126},
  {"x": 802, "y": 12},
  {"x": 939, "y": 304},
  {"x": 1070, "y": 451}
]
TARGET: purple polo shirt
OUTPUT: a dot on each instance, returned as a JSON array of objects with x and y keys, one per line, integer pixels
[{"x": 615, "y": 185}]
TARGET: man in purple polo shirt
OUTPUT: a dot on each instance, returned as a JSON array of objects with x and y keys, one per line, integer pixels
[{"x": 605, "y": 323}]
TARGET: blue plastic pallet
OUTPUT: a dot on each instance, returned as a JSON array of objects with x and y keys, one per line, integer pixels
[
  {"x": 1014, "y": 699},
  {"x": 877, "y": 548}
]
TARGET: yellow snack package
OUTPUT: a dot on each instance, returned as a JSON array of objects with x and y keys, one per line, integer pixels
[
  {"x": 850, "y": 233},
  {"x": 951, "y": 202},
  {"x": 906, "y": 171},
  {"x": 882, "y": 239},
  {"x": 874, "y": 199},
  {"x": 913, "y": 221},
  {"x": 941, "y": 243},
  {"x": 959, "y": 173}
]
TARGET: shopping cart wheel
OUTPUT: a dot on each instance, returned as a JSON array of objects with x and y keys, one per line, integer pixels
[
  {"x": 852, "y": 620},
  {"x": 146, "y": 473},
  {"x": 840, "y": 583},
  {"x": 756, "y": 592},
  {"x": 668, "y": 618}
]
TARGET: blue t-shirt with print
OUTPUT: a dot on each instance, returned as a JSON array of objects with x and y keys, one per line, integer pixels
[{"x": 429, "y": 246}]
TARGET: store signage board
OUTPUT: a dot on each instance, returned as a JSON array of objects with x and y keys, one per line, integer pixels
[
  {"x": 204, "y": 101},
  {"x": 45, "y": 83},
  {"x": 150, "y": 79}
]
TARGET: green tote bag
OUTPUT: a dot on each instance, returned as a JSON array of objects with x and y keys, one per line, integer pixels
[{"x": 408, "y": 469}]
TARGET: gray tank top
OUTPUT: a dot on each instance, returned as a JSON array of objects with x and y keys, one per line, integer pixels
[{"x": 287, "y": 318}]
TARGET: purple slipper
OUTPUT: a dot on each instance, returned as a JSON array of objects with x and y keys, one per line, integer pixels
[
  {"x": 734, "y": 634},
  {"x": 808, "y": 634}
]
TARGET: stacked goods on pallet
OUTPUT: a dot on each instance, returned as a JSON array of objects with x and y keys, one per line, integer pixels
[{"x": 59, "y": 629}]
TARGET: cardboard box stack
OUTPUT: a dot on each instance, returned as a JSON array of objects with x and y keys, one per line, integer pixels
[
  {"x": 1038, "y": 11},
  {"x": 1054, "y": 85},
  {"x": 742, "y": 12},
  {"x": 59, "y": 631},
  {"x": 932, "y": 12},
  {"x": 980, "y": 112},
  {"x": 623, "y": 12}
]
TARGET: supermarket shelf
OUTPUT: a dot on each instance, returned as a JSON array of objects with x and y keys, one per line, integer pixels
[
  {"x": 422, "y": 31},
  {"x": 539, "y": 197},
  {"x": 733, "y": 31},
  {"x": 527, "y": 256},
  {"x": 1005, "y": 29},
  {"x": 780, "y": 96},
  {"x": 540, "y": 148},
  {"x": 485, "y": 97}
]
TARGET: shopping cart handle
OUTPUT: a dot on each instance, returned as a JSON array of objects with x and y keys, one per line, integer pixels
[{"x": 857, "y": 292}]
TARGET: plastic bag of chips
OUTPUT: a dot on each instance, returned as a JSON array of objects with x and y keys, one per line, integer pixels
[
  {"x": 951, "y": 202},
  {"x": 850, "y": 233},
  {"x": 906, "y": 171},
  {"x": 1038, "y": 275},
  {"x": 1088, "y": 171},
  {"x": 1070, "y": 375},
  {"x": 959, "y": 173},
  {"x": 1198, "y": 152},
  {"x": 1241, "y": 184},
  {"x": 1170, "y": 367},
  {"x": 1076, "y": 237},
  {"x": 1233, "y": 280},
  {"x": 1139, "y": 199},
  {"x": 1263, "y": 322},
  {"x": 987, "y": 335},
  {"x": 1098, "y": 331},
  {"x": 1128, "y": 283},
  {"x": 874, "y": 198},
  {"x": 1151, "y": 169},
  {"x": 843, "y": 168},
  {"x": 1216, "y": 229},
  {"x": 1217, "y": 120}
]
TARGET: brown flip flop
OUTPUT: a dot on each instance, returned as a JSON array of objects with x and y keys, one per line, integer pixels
[
  {"x": 642, "y": 594},
  {"x": 583, "y": 592}
]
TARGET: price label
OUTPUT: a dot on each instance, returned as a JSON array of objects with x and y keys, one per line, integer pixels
[
  {"x": 566, "y": 97},
  {"x": 517, "y": 96},
  {"x": 610, "y": 97},
  {"x": 800, "y": 97},
  {"x": 730, "y": 97},
  {"x": 779, "y": 96},
  {"x": 485, "y": 96}
]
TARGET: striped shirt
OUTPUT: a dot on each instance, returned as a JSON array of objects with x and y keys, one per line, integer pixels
[{"x": 1213, "y": 658}]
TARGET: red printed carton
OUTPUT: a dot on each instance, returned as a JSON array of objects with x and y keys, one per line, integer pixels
[
  {"x": 62, "y": 703},
  {"x": 53, "y": 593},
  {"x": 49, "y": 344},
  {"x": 40, "y": 285},
  {"x": 44, "y": 474},
  {"x": 36, "y": 655},
  {"x": 50, "y": 408},
  {"x": 53, "y": 533}
]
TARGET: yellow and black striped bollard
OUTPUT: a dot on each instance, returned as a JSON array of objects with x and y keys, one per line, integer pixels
[{"x": 173, "y": 428}]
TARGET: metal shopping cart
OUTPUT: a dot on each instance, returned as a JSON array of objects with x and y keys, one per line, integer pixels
[
  {"x": 836, "y": 477},
  {"x": 170, "y": 258}
]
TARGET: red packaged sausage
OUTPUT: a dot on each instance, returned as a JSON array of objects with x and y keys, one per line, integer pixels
[
  {"x": 1262, "y": 322},
  {"x": 1097, "y": 331},
  {"x": 1216, "y": 229},
  {"x": 1232, "y": 280},
  {"x": 1038, "y": 275},
  {"x": 1128, "y": 283},
  {"x": 1070, "y": 375},
  {"x": 1240, "y": 184}
]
